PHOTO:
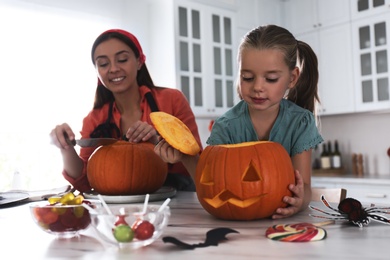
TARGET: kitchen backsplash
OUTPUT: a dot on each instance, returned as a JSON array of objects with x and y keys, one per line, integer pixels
[{"x": 367, "y": 134}]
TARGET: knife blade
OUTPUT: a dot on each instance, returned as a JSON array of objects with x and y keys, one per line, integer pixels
[
  {"x": 93, "y": 142},
  {"x": 90, "y": 142}
]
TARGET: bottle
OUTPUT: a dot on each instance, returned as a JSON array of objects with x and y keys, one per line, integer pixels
[
  {"x": 316, "y": 161},
  {"x": 325, "y": 159},
  {"x": 330, "y": 153},
  {"x": 360, "y": 167},
  {"x": 336, "y": 157}
]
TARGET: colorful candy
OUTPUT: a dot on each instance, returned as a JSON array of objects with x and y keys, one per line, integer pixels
[
  {"x": 300, "y": 232},
  {"x": 123, "y": 233},
  {"x": 58, "y": 217},
  {"x": 140, "y": 229}
]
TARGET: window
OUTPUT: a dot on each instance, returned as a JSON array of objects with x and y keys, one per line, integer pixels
[{"x": 47, "y": 79}]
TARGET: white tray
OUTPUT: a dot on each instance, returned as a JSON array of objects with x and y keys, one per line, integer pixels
[{"x": 161, "y": 194}]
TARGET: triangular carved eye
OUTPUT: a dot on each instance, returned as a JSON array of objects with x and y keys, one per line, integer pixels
[
  {"x": 252, "y": 174},
  {"x": 207, "y": 177}
]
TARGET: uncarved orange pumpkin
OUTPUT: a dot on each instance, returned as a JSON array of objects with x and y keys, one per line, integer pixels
[
  {"x": 125, "y": 168},
  {"x": 244, "y": 181}
]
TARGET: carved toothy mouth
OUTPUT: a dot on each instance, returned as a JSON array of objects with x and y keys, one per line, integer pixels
[{"x": 226, "y": 196}]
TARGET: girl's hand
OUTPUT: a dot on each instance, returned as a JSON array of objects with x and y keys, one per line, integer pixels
[
  {"x": 295, "y": 202},
  {"x": 141, "y": 131},
  {"x": 167, "y": 153},
  {"x": 61, "y": 135}
]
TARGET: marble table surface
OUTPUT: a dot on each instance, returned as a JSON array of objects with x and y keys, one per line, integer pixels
[{"x": 20, "y": 238}]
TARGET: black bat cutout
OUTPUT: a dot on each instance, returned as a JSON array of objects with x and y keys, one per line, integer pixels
[{"x": 213, "y": 237}]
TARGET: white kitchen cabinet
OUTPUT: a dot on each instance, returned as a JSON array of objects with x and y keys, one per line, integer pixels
[
  {"x": 202, "y": 49},
  {"x": 371, "y": 52},
  {"x": 333, "y": 48},
  {"x": 365, "y": 190},
  {"x": 303, "y": 16},
  {"x": 366, "y": 8},
  {"x": 327, "y": 30}
]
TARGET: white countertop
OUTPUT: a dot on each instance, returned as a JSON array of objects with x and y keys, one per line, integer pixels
[
  {"x": 369, "y": 180},
  {"x": 21, "y": 239}
]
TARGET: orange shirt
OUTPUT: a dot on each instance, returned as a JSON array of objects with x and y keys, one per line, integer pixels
[{"x": 168, "y": 100}]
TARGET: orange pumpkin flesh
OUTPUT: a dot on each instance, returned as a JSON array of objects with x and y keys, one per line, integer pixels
[
  {"x": 125, "y": 168},
  {"x": 244, "y": 181},
  {"x": 175, "y": 132}
]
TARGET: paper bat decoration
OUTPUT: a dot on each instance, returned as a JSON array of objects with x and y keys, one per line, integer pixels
[{"x": 213, "y": 237}]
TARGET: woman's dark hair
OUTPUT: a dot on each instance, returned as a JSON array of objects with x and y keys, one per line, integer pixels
[
  {"x": 296, "y": 54},
  {"x": 102, "y": 94}
]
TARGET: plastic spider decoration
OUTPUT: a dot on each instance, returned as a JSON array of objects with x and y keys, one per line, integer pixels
[{"x": 352, "y": 210}]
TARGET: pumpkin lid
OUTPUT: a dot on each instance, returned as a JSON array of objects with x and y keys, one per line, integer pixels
[{"x": 175, "y": 132}]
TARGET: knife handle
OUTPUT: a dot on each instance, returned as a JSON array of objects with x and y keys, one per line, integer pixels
[{"x": 68, "y": 141}]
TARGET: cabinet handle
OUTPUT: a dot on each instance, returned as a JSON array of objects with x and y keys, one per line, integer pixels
[{"x": 376, "y": 195}]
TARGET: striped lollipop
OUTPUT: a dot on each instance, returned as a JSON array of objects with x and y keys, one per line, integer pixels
[{"x": 299, "y": 232}]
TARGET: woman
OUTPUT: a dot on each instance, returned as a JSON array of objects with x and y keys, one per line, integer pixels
[{"x": 124, "y": 98}]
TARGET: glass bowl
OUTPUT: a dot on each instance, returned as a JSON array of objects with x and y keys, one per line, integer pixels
[
  {"x": 128, "y": 227},
  {"x": 64, "y": 221}
]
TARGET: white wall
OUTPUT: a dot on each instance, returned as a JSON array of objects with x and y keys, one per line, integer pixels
[{"x": 367, "y": 133}]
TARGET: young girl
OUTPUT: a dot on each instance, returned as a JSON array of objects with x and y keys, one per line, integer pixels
[
  {"x": 278, "y": 78},
  {"x": 125, "y": 97}
]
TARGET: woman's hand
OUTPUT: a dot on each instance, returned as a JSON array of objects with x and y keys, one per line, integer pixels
[
  {"x": 61, "y": 135},
  {"x": 142, "y": 131},
  {"x": 295, "y": 202}
]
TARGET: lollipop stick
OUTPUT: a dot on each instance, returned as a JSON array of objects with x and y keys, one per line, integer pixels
[
  {"x": 162, "y": 207},
  {"x": 104, "y": 204},
  {"x": 91, "y": 210},
  {"x": 319, "y": 224},
  {"x": 145, "y": 204}
]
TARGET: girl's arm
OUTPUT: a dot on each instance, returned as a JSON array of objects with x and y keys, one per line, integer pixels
[{"x": 171, "y": 155}]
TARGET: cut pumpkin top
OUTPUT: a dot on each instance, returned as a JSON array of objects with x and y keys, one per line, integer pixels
[{"x": 175, "y": 132}]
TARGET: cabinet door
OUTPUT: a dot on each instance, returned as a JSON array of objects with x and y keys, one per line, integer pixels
[
  {"x": 336, "y": 70},
  {"x": 222, "y": 74},
  {"x": 206, "y": 53},
  {"x": 371, "y": 52},
  {"x": 333, "y": 48},
  {"x": 365, "y": 8},
  {"x": 333, "y": 12},
  {"x": 303, "y": 16},
  {"x": 300, "y": 16}
]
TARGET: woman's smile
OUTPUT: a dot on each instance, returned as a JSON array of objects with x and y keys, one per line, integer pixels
[{"x": 117, "y": 80}]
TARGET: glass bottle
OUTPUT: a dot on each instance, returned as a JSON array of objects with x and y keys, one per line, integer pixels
[
  {"x": 336, "y": 158},
  {"x": 325, "y": 159}
]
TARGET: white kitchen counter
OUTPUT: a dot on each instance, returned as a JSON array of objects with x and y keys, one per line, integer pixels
[
  {"x": 20, "y": 238},
  {"x": 367, "y": 190}
]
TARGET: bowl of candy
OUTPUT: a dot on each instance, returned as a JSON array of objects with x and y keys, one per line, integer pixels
[
  {"x": 131, "y": 226},
  {"x": 63, "y": 216}
]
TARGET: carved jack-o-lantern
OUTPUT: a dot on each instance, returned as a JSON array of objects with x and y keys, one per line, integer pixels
[{"x": 243, "y": 181}]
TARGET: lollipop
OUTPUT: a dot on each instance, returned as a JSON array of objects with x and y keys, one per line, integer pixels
[{"x": 300, "y": 232}]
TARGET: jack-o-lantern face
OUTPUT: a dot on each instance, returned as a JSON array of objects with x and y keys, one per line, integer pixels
[{"x": 243, "y": 181}]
